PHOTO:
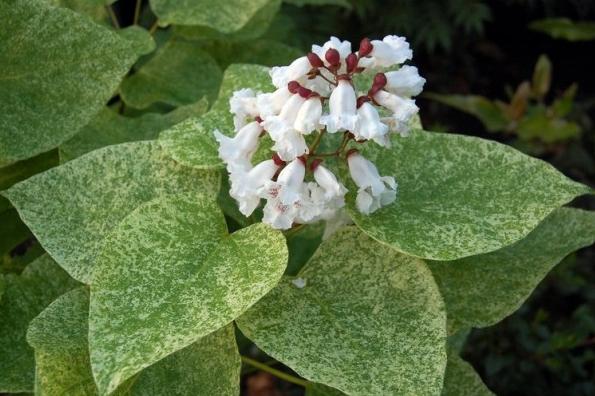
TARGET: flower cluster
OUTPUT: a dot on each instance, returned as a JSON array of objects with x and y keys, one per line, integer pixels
[{"x": 314, "y": 96}]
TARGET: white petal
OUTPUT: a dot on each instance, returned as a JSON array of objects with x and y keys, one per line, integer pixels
[
  {"x": 271, "y": 103},
  {"x": 342, "y": 106},
  {"x": 405, "y": 82},
  {"x": 369, "y": 125},
  {"x": 290, "y": 145},
  {"x": 308, "y": 117},
  {"x": 403, "y": 109}
]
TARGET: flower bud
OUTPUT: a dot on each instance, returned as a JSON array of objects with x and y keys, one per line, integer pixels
[
  {"x": 332, "y": 57},
  {"x": 293, "y": 87},
  {"x": 315, "y": 60},
  {"x": 351, "y": 62},
  {"x": 365, "y": 47},
  {"x": 304, "y": 92}
]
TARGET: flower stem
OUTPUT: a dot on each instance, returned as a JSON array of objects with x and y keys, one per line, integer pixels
[
  {"x": 136, "y": 12},
  {"x": 154, "y": 26},
  {"x": 113, "y": 16},
  {"x": 316, "y": 143},
  {"x": 277, "y": 373}
]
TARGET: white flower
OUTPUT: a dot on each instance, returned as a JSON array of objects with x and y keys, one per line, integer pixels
[
  {"x": 288, "y": 187},
  {"x": 243, "y": 105},
  {"x": 342, "y": 106},
  {"x": 308, "y": 117},
  {"x": 401, "y": 127},
  {"x": 392, "y": 50},
  {"x": 237, "y": 151},
  {"x": 403, "y": 109},
  {"x": 343, "y": 47},
  {"x": 245, "y": 185},
  {"x": 279, "y": 215},
  {"x": 369, "y": 126},
  {"x": 272, "y": 103},
  {"x": 290, "y": 144},
  {"x": 404, "y": 82},
  {"x": 277, "y": 125},
  {"x": 281, "y": 75},
  {"x": 374, "y": 191},
  {"x": 328, "y": 181}
]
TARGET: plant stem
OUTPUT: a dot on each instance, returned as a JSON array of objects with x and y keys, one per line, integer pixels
[
  {"x": 137, "y": 12},
  {"x": 275, "y": 372},
  {"x": 294, "y": 230},
  {"x": 316, "y": 143},
  {"x": 113, "y": 16},
  {"x": 154, "y": 26}
]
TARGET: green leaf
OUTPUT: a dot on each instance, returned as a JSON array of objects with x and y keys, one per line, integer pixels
[
  {"x": 488, "y": 112},
  {"x": 564, "y": 28},
  {"x": 95, "y": 9},
  {"x": 339, "y": 3},
  {"x": 262, "y": 52},
  {"x": 48, "y": 92},
  {"x": 24, "y": 297},
  {"x": 542, "y": 76},
  {"x": 140, "y": 37},
  {"x": 369, "y": 320},
  {"x": 461, "y": 196},
  {"x": 108, "y": 128},
  {"x": 180, "y": 73},
  {"x": 461, "y": 379},
  {"x": 253, "y": 29},
  {"x": 321, "y": 390},
  {"x": 192, "y": 143},
  {"x": 141, "y": 312},
  {"x": 71, "y": 208},
  {"x": 224, "y": 16},
  {"x": 482, "y": 290},
  {"x": 211, "y": 366},
  {"x": 538, "y": 124}
]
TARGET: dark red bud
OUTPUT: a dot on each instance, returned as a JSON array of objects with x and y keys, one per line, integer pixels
[
  {"x": 258, "y": 119},
  {"x": 293, "y": 86},
  {"x": 277, "y": 160},
  {"x": 361, "y": 100},
  {"x": 365, "y": 47},
  {"x": 351, "y": 62},
  {"x": 380, "y": 79},
  {"x": 332, "y": 57},
  {"x": 351, "y": 152},
  {"x": 315, "y": 60},
  {"x": 303, "y": 159},
  {"x": 304, "y": 92},
  {"x": 315, "y": 164}
]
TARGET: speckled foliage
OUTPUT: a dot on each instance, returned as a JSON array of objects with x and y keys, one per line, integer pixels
[
  {"x": 25, "y": 296},
  {"x": 482, "y": 290},
  {"x": 70, "y": 209},
  {"x": 53, "y": 81},
  {"x": 226, "y": 16},
  {"x": 369, "y": 321},
  {"x": 461, "y": 196},
  {"x": 211, "y": 366},
  {"x": 141, "y": 313}
]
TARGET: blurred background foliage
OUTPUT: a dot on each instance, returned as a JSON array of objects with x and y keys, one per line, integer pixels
[{"x": 517, "y": 71}]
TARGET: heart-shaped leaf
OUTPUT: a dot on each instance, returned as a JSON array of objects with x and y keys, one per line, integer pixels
[
  {"x": 71, "y": 208},
  {"x": 461, "y": 196},
  {"x": 170, "y": 274},
  {"x": 360, "y": 317}
]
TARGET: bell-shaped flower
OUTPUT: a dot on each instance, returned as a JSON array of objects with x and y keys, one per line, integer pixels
[
  {"x": 404, "y": 82},
  {"x": 279, "y": 215},
  {"x": 342, "y": 109},
  {"x": 277, "y": 125},
  {"x": 343, "y": 47},
  {"x": 392, "y": 50},
  {"x": 403, "y": 109},
  {"x": 308, "y": 117},
  {"x": 401, "y": 127},
  {"x": 237, "y": 151},
  {"x": 246, "y": 185},
  {"x": 290, "y": 145},
  {"x": 374, "y": 191},
  {"x": 288, "y": 187},
  {"x": 281, "y": 75},
  {"x": 271, "y": 103},
  {"x": 243, "y": 105},
  {"x": 369, "y": 126},
  {"x": 328, "y": 181}
]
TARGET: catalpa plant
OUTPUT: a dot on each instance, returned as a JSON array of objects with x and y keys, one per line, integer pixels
[
  {"x": 219, "y": 217},
  {"x": 316, "y": 96}
]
